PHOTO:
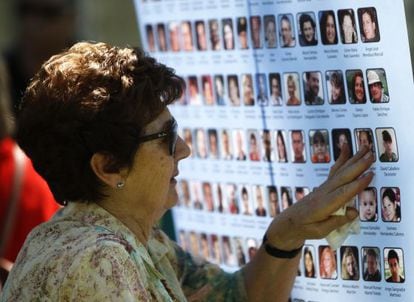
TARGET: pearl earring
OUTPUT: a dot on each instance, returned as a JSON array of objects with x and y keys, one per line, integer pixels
[{"x": 120, "y": 184}]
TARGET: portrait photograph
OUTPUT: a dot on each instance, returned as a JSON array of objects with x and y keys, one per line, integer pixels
[
  {"x": 313, "y": 88},
  {"x": 215, "y": 40},
  {"x": 276, "y": 96},
  {"x": 319, "y": 146},
  {"x": 307, "y": 31},
  {"x": 340, "y": 137},
  {"x": 387, "y": 145},
  {"x": 378, "y": 86},
  {"x": 371, "y": 264},
  {"x": 327, "y": 262},
  {"x": 281, "y": 146},
  {"x": 287, "y": 37},
  {"x": 328, "y": 27},
  {"x": 356, "y": 86},
  {"x": 349, "y": 263},
  {"x": 246, "y": 205},
  {"x": 390, "y": 204},
  {"x": 394, "y": 270},
  {"x": 228, "y": 33},
  {"x": 365, "y": 137},
  {"x": 368, "y": 205},
  {"x": 201, "y": 35},
  {"x": 256, "y": 31},
  {"x": 368, "y": 24},
  {"x": 292, "y": 87},
  {"x": 298, "y": 146},
  {"x": 270, "y": 32},
  {"x": 161, "y": 37},
  {"x": 347, "y": 26},
  {"x": 220, "y": 90},
  {"x": 335, "y": 87},
  {"x": 242, "y": 33},
  {"x": 239, "y": 144},
  {"x": 233, "y": 90}
]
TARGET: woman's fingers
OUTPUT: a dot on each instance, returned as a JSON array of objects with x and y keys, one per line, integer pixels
[
  {"x": 350, "y": 171},
  {"x": 342, "y": 159},
  {"x": 321, "y": 229},
  {"x": 360, "y": 154}
]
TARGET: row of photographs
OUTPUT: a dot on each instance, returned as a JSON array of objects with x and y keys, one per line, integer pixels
[
  {"x": 269, "y": 201},
  {"x": 290, "y": 88},
  {"x": 352, "y": 264},
  {"x": 267, "y": 31},
  {"x": 283, "y": 146}
]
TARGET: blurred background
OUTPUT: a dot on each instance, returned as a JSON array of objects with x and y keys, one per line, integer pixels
[{"x": 101, "y": 20}]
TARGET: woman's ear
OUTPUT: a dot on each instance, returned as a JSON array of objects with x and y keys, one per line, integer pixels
[{"x": 99, "y": 164}]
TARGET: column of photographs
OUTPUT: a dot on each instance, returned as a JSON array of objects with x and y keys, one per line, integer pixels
[
  {"x": 269, "y": 31},
  {"x": 346, "y": 263},
  {"x": 290, "y": 89}
]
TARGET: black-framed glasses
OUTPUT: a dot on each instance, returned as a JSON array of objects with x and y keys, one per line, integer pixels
[{"x": 170, "y": 133}]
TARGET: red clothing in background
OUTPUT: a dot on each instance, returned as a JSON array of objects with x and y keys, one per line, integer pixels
[{"x": 36, "y": 203}]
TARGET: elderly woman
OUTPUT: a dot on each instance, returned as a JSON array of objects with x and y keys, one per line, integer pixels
[{"x": 96, "y": 125}]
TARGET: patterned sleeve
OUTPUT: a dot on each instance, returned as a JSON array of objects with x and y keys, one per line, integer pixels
[
  {"x": 203, "y": 281},
  {"x": 103, "y": 272}
]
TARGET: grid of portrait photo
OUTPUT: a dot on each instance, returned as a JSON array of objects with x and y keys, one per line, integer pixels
[
  {"x": 332, "y": 87},
  {"x": 348, "y": 263},
  {"x": 288, "y": 145},
  {"x": 305, "y": 29}
]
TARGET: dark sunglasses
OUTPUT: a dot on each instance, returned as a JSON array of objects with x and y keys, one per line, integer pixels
[{"x": 170, "y": 133}]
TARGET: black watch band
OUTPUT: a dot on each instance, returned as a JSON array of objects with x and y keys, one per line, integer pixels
[{"x": 277, "y": 253}]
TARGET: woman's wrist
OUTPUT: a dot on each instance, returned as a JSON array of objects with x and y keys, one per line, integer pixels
[
  {"x": 284, "y": 234},
  {"x": 276, "y": 252}
]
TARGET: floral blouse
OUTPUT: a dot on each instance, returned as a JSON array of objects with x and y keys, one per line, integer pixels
[{"x": 85, "y": 254}]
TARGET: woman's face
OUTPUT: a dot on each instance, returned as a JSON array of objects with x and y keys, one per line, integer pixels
[
  {"x": 330, "y": 29},
  {"x": 308, "y": 263},
  {"x": 359, "y": 89},
  {"x": 389, "y": 209},
  {"x": 150, "y": 184},
  {"x": 348, "y": 29}
]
